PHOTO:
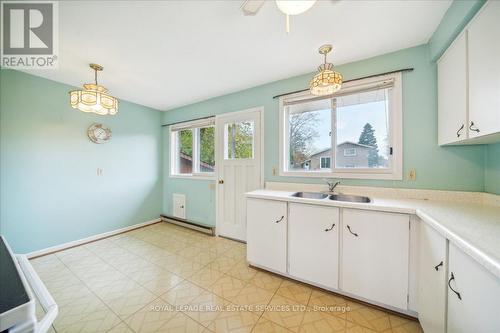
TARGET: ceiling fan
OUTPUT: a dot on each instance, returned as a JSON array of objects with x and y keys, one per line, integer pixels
[{"x": 288, "y": 7}]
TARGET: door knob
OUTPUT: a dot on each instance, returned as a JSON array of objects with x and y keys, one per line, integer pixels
[{"x": 221, "y": 181}]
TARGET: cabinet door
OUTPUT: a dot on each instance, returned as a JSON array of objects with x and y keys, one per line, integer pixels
[
  {"x": 452, "y": 93},
  {"x": 266, "y": 233},
  {"x": 478, "y": 308},
  {"x": 484, "y": 70},
  {"x": 313, "y": 243},
  {"x": 375, "y": 253},
  {"x": 432, "y": 278}
]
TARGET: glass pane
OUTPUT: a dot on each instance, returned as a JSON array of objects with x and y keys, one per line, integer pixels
[
  {"x": 362, "y": 130},
  {"x": 185, "y": 162},
  {"x": 239, "y": 140},
  {"x": 207, "y": 149},
  {"x": 310, "y": 128}
]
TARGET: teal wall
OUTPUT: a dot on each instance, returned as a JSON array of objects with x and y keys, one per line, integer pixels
[
  {"x": 453, "y": 22},
  {"x": 49, "y": 190},
  {"x": 492, "y": 169},
  {"x": 446, "y": 168}
]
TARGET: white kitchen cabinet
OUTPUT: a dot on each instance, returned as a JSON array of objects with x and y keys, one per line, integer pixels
[
  {"x": 432, "y": 276},
  {"x": 313, "y": 244},
  {"x": 267, "y": 233},
  {"x": 469, "y": 82},
  {"x": 473, "y": 295},
  {"x": 484, "y": 71},
  {"x": 375, "y": 251},
  {"x": 452, "y": 92}
]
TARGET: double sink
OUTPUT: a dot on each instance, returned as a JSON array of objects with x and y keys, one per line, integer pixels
[{"x": 337, "y": 197}]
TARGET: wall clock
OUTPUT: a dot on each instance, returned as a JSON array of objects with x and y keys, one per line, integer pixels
[{"x": 99, "y": 133}]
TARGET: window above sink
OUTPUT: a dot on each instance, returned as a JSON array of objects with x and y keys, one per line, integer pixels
[{"x": 354, "y": 133}]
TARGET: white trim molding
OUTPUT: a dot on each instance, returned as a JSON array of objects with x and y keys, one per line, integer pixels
[
  {"x": 90, "y": 239},
  {"x": 395, "y": 135}
]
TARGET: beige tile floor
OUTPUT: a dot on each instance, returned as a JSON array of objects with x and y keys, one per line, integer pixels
[{"x": 165, "y": 278}]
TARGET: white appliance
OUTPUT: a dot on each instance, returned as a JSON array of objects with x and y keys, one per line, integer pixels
[{"x": 19, "y": 285}]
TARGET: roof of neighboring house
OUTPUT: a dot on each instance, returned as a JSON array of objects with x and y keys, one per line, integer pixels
[{"x": 202, "y": 164}]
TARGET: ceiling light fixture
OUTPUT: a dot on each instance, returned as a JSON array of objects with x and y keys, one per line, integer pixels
[
  {"x": 326, "y": 81},
  {"x": 293, "y": 7},
  {"x": 94, "y": 98}
]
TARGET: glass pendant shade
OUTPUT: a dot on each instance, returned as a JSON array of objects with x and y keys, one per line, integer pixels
[
  {"x": 326, "y": 81},
  {"x": 94, "y": 98}
]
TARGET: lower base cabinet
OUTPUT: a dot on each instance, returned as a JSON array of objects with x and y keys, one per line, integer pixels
[
  {"x": 432, "y": 272},
  {"x": 266, "y": 234},
  {"x": 313, "y": 244},
  {"x": 473, "y": 295},
  {"x": 375, "y": 256}
]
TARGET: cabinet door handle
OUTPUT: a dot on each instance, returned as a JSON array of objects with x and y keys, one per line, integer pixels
[
  {"x": 328, "y": 229},
  {"x": 459, "y": 130},
  {"x": 438, "y": 265},
  {"x": 349, "y": 228},
  {"x": 473, "y": 129},
  {"x": 449, "y": 285},
  {"x": 281, "y": 219}
]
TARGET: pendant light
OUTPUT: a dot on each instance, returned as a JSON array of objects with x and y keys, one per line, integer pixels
[
  {"x": 94, "y": 98},
  {"x": 293, "y": 7},
  {"x": 326, "y": 81}
]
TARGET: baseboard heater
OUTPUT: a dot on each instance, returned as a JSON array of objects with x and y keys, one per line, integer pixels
[{"x": 188, "y": 224}]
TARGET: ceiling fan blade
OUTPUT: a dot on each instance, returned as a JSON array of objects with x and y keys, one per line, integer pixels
[{"x": 252, "y": 7}]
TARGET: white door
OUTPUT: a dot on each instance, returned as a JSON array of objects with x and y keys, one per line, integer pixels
[
  {"x": 375, "y": 250},
  {"x": 484, "y": 71},
  {"x": 267, "y": 224},
  {"x": 432, "y": 276},
  {"x": 239, "y": 168},
  {"x": 452, "y": 92},
  {"x": 473, "y": 295},
  {"x": 313, "y": 244}
]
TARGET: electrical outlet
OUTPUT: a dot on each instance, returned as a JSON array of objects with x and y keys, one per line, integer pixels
[
  {"x": 99, "y": 171},
  {"x": 275, "y": 171},
  {"x": 412, "y": 175}
]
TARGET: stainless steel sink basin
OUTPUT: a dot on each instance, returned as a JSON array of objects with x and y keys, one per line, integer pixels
[
  {"x": 310, "y": 195},
  {"x": 350, "y": 198}
]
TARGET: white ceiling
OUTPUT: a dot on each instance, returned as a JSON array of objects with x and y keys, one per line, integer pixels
[{"x": 165, "y": 54}]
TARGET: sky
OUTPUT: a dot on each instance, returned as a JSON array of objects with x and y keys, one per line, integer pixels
[{"x": 350, "y": 122}]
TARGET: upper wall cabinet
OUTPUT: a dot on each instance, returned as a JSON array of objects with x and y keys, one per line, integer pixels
[
  {"x": 484, "y": 71},
  {"x": 469, "y": 82},
  {"x": 452, "y": 88}
]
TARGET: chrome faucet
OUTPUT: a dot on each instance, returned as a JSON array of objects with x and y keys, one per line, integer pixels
[{"x": 331, "y": 184}]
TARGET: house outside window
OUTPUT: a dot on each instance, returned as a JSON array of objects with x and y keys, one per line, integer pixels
[
  {"x": 325, "y": 162},
  {"x": 354, "y": 133},
  {"x": 349, "y": 151}
]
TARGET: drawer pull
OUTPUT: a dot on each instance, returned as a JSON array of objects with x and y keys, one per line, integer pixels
[
  {"x": 459, "y": 130},
  {"x": 281, "y": 219},
  {"x": 438, "y": 265},
  {"x": 473, "y": 129},
  {"x": 449, "y": 285},
  {"x": 328, "y": 229},
  {"x": 349, "y": 228}
]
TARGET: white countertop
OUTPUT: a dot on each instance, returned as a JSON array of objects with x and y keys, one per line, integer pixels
[{"x": 474, "y": 228}]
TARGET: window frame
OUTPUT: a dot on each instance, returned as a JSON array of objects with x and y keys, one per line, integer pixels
[
  {"x": 350, "y": 155},
  {"x": 195, "y": 127},
  {"x": 395, "y": 135},
  {"x": 321, "y": 162}
]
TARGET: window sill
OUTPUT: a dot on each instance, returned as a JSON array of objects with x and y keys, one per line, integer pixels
[
  {"x": 193, "y": 177},
  {"x": 388, "y": 175}
]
